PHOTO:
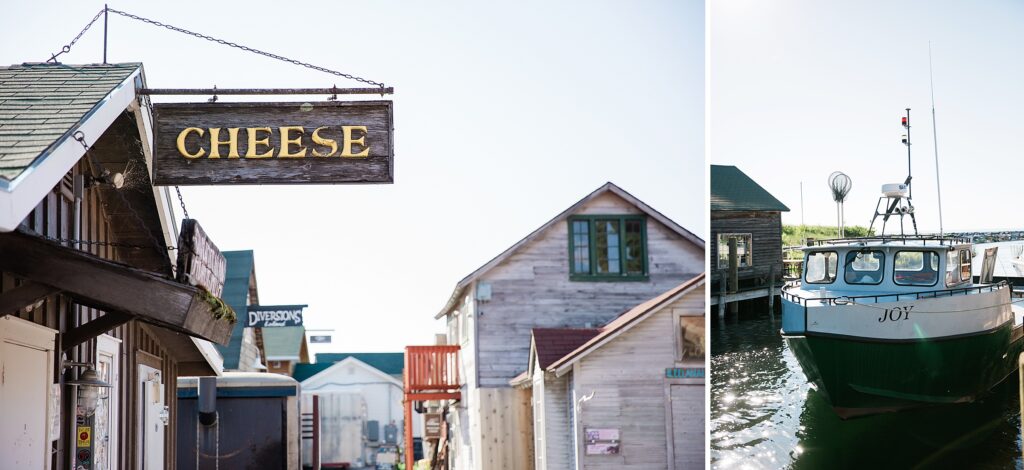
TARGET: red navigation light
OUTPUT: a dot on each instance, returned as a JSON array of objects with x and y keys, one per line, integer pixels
[{"x": 904, "y": 120}]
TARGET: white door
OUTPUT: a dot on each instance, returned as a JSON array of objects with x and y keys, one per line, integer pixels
[
  {"x": 108, "y": 362},
  {"x": 688, "y": 426},
  {"x": 153, "y": 418},
  {"x": 26, "y": 373}
]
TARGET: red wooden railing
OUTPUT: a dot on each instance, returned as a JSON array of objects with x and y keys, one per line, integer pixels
[
  {"x": 431, "y": 373},
  {"x": 434, "y": 368}
]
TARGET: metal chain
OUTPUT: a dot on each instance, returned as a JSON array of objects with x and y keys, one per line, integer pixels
[
  {"x": 67, "y": 48},
  {"x": 80, "y": 137},
  {"x": 182, "y": 201},
  {"x": 245, "y": 48}
]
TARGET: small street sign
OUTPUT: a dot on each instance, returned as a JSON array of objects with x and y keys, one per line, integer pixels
[{"x": 263, "y": 316}]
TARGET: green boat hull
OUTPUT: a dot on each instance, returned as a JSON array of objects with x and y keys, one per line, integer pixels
[{"x": 858, "y": 376}]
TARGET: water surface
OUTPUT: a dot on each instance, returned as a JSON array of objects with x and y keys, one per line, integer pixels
[{"x": 764, "y": 414}]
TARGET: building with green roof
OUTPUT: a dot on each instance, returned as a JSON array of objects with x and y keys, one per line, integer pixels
[
  {"x": 242, "y": 351},
  {"x": 743, "y": 210},
  {"x": 389, "y": 363}
]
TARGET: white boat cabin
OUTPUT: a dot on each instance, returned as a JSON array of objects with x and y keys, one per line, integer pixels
[{"x": 883, "y": 266}]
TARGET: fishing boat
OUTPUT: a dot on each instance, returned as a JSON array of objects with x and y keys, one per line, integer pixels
[{"x": 891, "y": 322}]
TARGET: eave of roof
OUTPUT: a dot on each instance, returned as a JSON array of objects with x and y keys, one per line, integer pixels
[
  {"x": 607, "y": 187},
  {"x": 733, "y": 190},
  {"x": 624, "y": 322},
  {"x": 35, "y": 163},
  {"x": 311, "y": 382}
]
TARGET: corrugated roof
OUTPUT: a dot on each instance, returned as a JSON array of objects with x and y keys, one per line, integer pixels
[
  {"x": 388, "y": 363},
  {"x": 236, "y": 291},
  {"x": 733, "y": 190},
  {"x": 40, "y": 103},
  {"x": 553, "y": 343},
  {"x": 283, "y": 342}
]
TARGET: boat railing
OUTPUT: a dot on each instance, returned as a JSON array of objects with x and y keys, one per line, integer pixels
[
  {"x": 896, "y": 296},
  {"x": 937, "y": 240}
]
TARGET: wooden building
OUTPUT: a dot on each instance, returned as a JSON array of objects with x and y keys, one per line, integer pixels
[
  {"x": 628, "y": 395},
  {"x": 742, "y": 210},
  {"x": 86, "y": 276},
  {"x": 600, "y": 257}
]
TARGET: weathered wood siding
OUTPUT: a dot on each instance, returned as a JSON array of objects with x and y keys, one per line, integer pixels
[
  {"x": 766, "y": 237},
  {"x": 627, "y": 379},
  {"x": 532, "y": 289},
  {"x": 53, "y": 218},
  {"x": 551, "y": 422}
]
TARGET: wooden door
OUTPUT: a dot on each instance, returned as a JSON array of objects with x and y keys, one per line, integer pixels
[
  {"x": 105, "y": 421},
  {"x": 26, "y": 362},
  {"x": 152, "y": 414},
  {"x": 687, "y": 402}
]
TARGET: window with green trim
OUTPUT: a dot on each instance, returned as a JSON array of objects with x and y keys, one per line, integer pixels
[{"x": 608, "y": 247}]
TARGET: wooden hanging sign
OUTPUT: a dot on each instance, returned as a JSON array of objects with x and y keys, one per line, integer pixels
[
  {"x": 200, "y": 263},
  {"x": 330, "y": 142}
]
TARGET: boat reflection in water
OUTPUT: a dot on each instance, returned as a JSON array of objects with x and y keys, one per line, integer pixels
[{"x": 765, "y": 414}]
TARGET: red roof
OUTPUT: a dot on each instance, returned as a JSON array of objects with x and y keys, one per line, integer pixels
[{"x": 553, "y": 343}]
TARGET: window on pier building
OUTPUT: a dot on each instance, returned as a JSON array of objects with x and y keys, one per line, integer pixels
[
  {"x": 744, "y": 250},
  {"x": 608, "y": 248},
  {"x": 691, "y": 338}
]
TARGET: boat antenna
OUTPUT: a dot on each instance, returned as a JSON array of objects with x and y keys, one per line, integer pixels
[
  {"x": 906, "y": 141},
  {"x": 935, "y": 136}
]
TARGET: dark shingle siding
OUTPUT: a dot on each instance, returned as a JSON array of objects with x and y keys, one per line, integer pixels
[{"x": 733, "y": 190}]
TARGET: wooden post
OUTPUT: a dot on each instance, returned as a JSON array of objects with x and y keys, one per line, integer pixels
[
  {"x": 316, "y": 432},
  {"x": 734, "y": 273},
  {"x": 771, "y": 290},
  {"x": 408, "y": 450},
  {"x": 721, "y": 293}
]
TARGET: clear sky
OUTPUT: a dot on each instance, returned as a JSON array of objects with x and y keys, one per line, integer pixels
[
  {"x": 504, "y": 116},
  {"x": 802, "y": 88}
]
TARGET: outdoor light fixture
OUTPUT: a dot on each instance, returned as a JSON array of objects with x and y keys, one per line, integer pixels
[
  {"x": 89, "y": 384},
  {"x": 106, "y": 177}
]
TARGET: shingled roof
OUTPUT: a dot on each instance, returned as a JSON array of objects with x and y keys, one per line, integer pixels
[
  {"x": 554, "y": 343},
  {"x": 41, "y": 104},
  {"x": 733, "y": 190}
]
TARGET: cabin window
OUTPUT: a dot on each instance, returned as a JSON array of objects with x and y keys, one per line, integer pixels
[
  {"x": 965, "y": 265},
  {"x": 916, "y": 268},
  {"x": 864, "y": 267},
  {"x": 610, "y": 247},
  {"x": 821, "y": 267},
  {"x": 952, "y": 268},
  {"x": 691, "y": 338},
  {"x": 744, "y": 250}
]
